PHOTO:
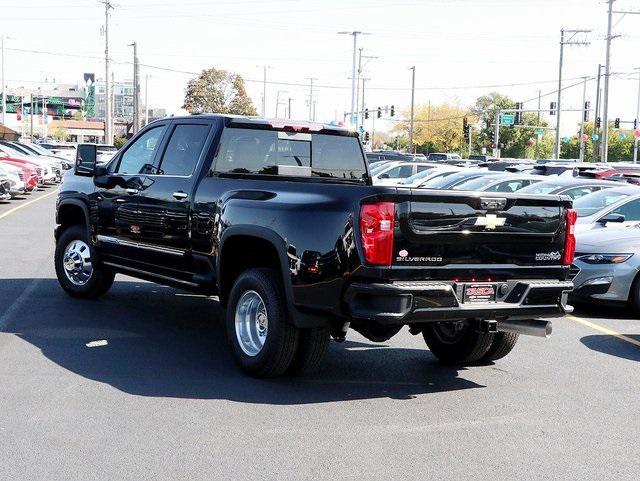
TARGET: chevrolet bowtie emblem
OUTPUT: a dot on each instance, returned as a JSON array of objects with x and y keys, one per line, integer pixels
[{"x": 490, "y": 221}]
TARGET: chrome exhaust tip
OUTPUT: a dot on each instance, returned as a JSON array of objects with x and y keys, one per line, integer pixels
[{"x": 529, "y": 327}]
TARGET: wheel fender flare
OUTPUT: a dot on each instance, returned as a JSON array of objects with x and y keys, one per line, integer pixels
[{"x": 76, "y": 203}]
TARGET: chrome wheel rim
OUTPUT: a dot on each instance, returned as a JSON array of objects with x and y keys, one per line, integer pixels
[
  {"x": 449, "y": 332},
  {"x": 252, "y": 323},
  {"x": 77, "y": 262}
]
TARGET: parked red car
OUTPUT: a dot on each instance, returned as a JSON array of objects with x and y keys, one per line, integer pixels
[{"x": 29, "y": 171}]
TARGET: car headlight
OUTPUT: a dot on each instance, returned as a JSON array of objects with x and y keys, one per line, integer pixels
[{"x": 605, "y": 258}]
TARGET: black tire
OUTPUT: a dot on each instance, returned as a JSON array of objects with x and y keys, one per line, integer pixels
[
  {"x": 503, "y": 343},
  {"x": 466, "y": 346},
  {"x": 101, "y": 277},
  {"x": 312, "y": 344},
  {"x": 279, "y": 349},
  {"x": 634, "y": 295}
]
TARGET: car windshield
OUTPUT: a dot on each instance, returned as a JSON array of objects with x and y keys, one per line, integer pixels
[
  {"x": 540, "y": 188},
  {"x": 378, "y": 168},
  {"x": 592, "y": 203},
  {"x": 418, "y": 176}
]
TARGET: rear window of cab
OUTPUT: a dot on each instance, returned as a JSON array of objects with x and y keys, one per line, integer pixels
[{"x": 257, "y": 151}]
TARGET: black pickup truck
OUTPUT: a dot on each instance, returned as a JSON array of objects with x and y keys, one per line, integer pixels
[{"x": 280, "y": 220}]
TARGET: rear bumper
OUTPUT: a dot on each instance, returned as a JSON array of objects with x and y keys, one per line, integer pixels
[{"x": 432, "y": 301}]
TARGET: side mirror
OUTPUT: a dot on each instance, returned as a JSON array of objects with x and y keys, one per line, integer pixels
[
  {"x": 611, "y": 218},
  {"x": 86, "y": 157}
]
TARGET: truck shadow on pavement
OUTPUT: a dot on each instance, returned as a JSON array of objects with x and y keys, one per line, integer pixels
[
  {"x": 161, "y": 342},
  {"x": 613, "y": 346}
]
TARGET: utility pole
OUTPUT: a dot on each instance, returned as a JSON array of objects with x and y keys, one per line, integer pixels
[
  {"x": 136, "y": 88},
  {"x": 635, "y": 140},
  {"x": 289, "y": 108},
  {"x": 607, "y": 73},
  {"x": 264, "y": 89},
  {"x": 364, "y": 80},
  {"x": 584, "y": 100},
  {"x": 564, "y": 41},
  {"x": 497, "y": 134},
  {"x": 607, "y": 70},
  {"x": 311, "y": 79},
  {"x": 413, "y": 91},
  {"x": 108, "y": 133},
  {"x": 278, "y": 101},
  {"x": 360, "y": 70},
  {"x": 31, "y": 119},
  {"x": 355, "y": 34},
  {"x": 146, "y": 99},
  {"x": 596, "y": 143},
  {"x": 537, "y": 136}
]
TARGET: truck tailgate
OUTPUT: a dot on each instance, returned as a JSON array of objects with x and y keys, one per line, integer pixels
[{"x": 439, "y": 228}]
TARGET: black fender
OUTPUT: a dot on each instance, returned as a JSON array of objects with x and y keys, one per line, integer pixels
[
  {"x": 300, "y": 319},
  {"x": 77, "y": 203}
]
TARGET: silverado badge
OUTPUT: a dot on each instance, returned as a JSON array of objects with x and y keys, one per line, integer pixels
[{"x": 490, "y": 221}]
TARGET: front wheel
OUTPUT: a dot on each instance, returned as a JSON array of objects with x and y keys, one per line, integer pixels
[
  {"x": 456, "y": 342},
  {"x": 77, "y": 269},
  {"x": 263, "y": 340}
]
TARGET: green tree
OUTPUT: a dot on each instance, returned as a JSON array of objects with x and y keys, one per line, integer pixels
[{"x": 218, "y": 91}]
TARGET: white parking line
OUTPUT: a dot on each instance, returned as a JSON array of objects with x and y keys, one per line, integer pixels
[{"x": 17, "y": 304}]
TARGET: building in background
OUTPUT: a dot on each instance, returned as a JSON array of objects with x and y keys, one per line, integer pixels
[{"x": 122, "y": 93}]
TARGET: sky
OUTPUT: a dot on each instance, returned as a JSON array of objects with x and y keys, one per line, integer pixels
[{"x": 461, "y": 49}]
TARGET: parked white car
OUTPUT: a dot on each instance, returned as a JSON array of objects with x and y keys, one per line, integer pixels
[
  {"x": 615, "y": 208},
  {"x": 394, "y": 172}
]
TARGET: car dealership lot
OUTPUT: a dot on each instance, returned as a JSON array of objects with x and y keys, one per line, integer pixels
[{"x": 141, "y": 385}]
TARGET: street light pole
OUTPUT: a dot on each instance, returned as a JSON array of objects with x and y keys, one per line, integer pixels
[
  {"x": 584, "y": 100},
  {"x": 108, "y": 134},
  {"x": 413, "y": 91},
  {"x": 596, "y": 144},
  {"x": 136, "y": 88}
]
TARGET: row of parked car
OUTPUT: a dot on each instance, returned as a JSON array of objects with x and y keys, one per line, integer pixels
[
  {"x": 25, "y": 166},
  {"x": 606, "y": 198}
]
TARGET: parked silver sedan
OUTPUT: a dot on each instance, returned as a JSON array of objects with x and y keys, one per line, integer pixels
[{"x": 609, "y": 263}]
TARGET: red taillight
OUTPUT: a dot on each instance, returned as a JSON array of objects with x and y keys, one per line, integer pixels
[
  {"x": 570, "y": 238},
  {"x": 376, "y": 228}
]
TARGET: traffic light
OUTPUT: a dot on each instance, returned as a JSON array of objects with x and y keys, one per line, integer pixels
[
  {"x": 616, "y": 123},
  {"x": 598, "y": 122},
  {"x": 587, "y": 106},
  {"x": 552, "y": 108},
  {"x": 635, "y": 124},
  {"x": 393, "y": 110},
  {"x": 366, "y": 113},
  {"x": 366, "y": 136},
  {"x": 465, "y": 126},
  {"x": 379, "y": 112},
  {"x": 519, "y": 106}
]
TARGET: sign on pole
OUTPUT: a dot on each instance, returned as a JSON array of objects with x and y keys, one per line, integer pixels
[{"x": 507, "y": 119}]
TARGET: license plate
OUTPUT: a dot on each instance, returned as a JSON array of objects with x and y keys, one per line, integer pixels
[{"x": 479, "y": 293}]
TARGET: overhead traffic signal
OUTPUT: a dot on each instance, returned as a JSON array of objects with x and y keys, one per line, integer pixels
[
  {"x": 552, "y": 108},
  {"x": 366, "y": 113},
  {"x": 598, "y": 122},
  {"x": 465, "y": 126},
  {"x": 393, "y": 110},
  {"x": 635, "y": 124},
  {"x": 616, "y": 123},
  {"x": 379, "y": 112},
  {"x": 366, "y": 136},
  {"x": 519, "y": 106}
]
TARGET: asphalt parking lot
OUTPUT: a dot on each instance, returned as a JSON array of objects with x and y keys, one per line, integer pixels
[{"x": 141, "y": 385}]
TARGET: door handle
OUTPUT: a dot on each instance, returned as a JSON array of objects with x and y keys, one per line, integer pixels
[
  {"x": 132, "y": 191},
  {"x": 180, "y": 195}
]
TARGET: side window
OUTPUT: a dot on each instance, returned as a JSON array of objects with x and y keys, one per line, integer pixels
[
  {"x": 246, "y": 151},
  {"x": 138, "y": 158},
  {"x": 577, "y": 192},
  {"x": 184, "y": 149},
  {"x": 630, "y": 210},
  {"x": 422, "y": 168},
  {"x": 400, "y": 172},
  {"x": 507, "y": 186}
]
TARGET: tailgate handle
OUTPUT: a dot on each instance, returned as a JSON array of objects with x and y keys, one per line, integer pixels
[{"x": 492, "y": 203}]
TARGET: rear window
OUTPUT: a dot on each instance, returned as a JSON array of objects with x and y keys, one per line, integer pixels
[
  {"x": 592, "y": 203},
  {"x": 253, "y": 151},
  {"x": 437, "y": 157}
]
